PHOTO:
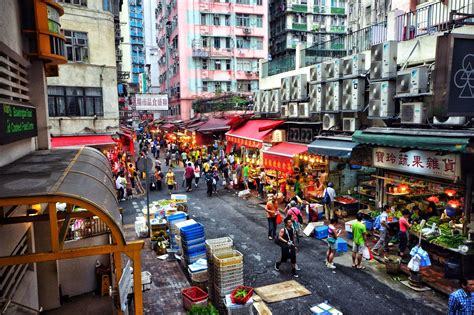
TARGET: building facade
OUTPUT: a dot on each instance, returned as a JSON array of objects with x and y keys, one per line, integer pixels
[
  {"x": 208, "y": 48},
  {"x": 83, "y": 98},
  {"x": 294, "y": 22},
  {"x": 151, "y": 46}
]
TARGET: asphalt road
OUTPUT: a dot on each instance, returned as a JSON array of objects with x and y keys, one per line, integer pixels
[{"x": 349, "y": 290}]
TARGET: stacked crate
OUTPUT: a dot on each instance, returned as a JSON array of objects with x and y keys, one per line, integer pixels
[
  {"x": 173, "y": 219},
  {"x": 193, "y": 242},
  {"x": 213, "y": 246}
]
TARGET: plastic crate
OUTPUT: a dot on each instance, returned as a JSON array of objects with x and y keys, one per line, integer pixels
[
  {"x": 192, "y": 228},
  {"x": 219, "y": 243},
  {"x": 230, "y": 278},
  {"x": 341, "y": 245},
  {"x": 349, "y": 235},
  {"x": 321, "y": 232},
  {"x": 200, "y": 240},
  {"x": 199, "y": 276},
  {"x": 192, "y": 296},
  {"x": 237, "y": 309},
  {"x": 192, "y": 258},
  {"x": 239, "y": 267},
  {"x": 226, "y": 287},
  {"x": 227, "y": 259},
  {"x": 198, "y": 248}
]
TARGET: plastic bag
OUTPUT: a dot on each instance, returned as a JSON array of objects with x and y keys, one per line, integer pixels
[
  {"x": 367, "y": 253},
  {"x": 279, "y": 219},
  {"x": 414, "y": 264}
]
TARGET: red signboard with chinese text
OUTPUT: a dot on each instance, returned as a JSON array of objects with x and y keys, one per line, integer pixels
[{"x": 429, "y": 163}]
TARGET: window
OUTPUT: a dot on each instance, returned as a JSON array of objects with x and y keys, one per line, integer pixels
[
  {"x": 227, "y": 20},
  {"x": 217, "y": 42},
  {"x": 227, "y": 42},
  {"x": 227, "y": 64},
  {"x": 217, "y": 20},
  {"x": 204, "y": 64},
  {"x": 242, "y": 1},
  {"x": 242, "y": 20},
  {"x": 244, "y": 86},
  {"x": 259, "y": 21},
  {"x": 205, "y": 42},
  {"x": 259, "y": 2},
  {"x": 205, "y": 86},
  {"x": 107, "y": 5},
  {"x": 243, "y": 42},
  {"x": 217, "y": 87},
  {"x": 259, "y": 43},
  {"x": 75, "y": 2},
  {"x": 74, "y": 101},
  {"x": 203, "y": 19},
  {"x": 217, "y": 65},
  {"x": 76, "y": 46}
]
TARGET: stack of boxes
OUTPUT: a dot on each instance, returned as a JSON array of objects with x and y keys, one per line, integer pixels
[
  {"x": 228, "y": 273},
  {"x": 173, "y": 219},
  {"x": 193, "y": 242}
]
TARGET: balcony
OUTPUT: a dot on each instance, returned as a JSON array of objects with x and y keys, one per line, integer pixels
[
  {"x": 136, "y": 15},
  {"x": 137, "y": 70},
  {"x": 136, "y": 41},
  {"x": 136, "y": 24},
  {"x": 200, "y": 53},
  {"x": 299, "y": 26},
  {"x": 301, "y": 8},
  {"x": 316, "y": 28},
  {"x": 279, "y": 65},
  {"x": 337, "y": 29},
  {"x": 338, "y": 10},
  {"x": 136, "y": 34}
]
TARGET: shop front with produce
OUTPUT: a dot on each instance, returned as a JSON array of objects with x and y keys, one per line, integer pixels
[{"x": 431, "y": 176}]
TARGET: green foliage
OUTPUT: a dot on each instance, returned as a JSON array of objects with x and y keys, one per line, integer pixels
[{"x": 203, "y": 310}]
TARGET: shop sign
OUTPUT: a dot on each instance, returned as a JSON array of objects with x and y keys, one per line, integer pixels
[
  {"x": 124, "y": 285},
  {"x": 151, "y": 101},
  {"x": 278, "y": 136},
  {"x": 17, "y": 123},
  {"x": 427, "y": 163}
]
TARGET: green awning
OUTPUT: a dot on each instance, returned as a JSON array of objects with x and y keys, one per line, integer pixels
[{"x": 434, "y": 143}]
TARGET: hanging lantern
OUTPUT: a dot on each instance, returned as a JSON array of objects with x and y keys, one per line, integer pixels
[
  {"x": 306, "y": 158},
  {"x": 434, "y": 199},
  {"x": 450, "y": 192}
]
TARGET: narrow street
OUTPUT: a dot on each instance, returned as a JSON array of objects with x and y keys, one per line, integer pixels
[{"x": 351, "y": 291}]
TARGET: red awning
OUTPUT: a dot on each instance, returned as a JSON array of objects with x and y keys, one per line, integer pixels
[
  {"x": 280, "y": 157},
  {"x": 252, "y": 133},
  {"x": 168, "y": 127},
  {"x": 75, "y": 141},
  {"x": 214, "y": 125}
]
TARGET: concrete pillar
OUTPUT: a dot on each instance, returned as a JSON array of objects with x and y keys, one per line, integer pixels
[
  {"x": 39, "y": 99},
  {"x": 47, "y": 272},
  {"x": 299, "y": 56}
]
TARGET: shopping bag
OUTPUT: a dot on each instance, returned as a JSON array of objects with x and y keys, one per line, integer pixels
[
  {"x": 279, "y": 219},
  {"x": 367, "y": 253}
]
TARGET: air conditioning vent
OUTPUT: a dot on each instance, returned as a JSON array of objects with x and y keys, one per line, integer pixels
[
  {"x": 353, "y": 65},
  {"x": 383, "y": 61},
  {"x": 328, "y": 70},
  {"x": 285, "y": 89},
  {"x": 413, "y": 113},
  {"x": 315, "y": 73},
  {"x": 275, "y": 101},
  {"x": 332, "y": 96},
  {"x": 381, "y": 103},
  {"x": 451, "y": 121},
  {"x": 412, "y": 81},
  {"x": 265, "y": 101},
  {"x": 306, "y": 135},
  {"x": 303, "y": 110},
  {"x": 284, "y": 111},
  {"x": 316, "y": 98},
  {"x": 330, "y": 122},
  {"x": 298, "y": 87},
  {"x": 294, "y": 135},
  {"x": 257, "y": 101},
  {"x": 293, "y": 110},
  {"x": 353, "y": 94},
  {"x": 350, "y": 124}
]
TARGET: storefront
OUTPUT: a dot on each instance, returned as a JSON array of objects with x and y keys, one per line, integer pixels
[{"x": 422, "y": 169}]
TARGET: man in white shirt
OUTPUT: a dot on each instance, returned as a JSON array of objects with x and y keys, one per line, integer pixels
[
  {"x": 119, "y": 184},
  {"x": 383, "y": 231},
  {"x": 329, "y": 206}
]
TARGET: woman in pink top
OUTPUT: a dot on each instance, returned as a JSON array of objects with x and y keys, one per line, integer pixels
[{"x": 403, "y": 233}]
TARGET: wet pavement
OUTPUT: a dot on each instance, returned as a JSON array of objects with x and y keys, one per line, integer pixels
[{"x": 351, "y": 291}]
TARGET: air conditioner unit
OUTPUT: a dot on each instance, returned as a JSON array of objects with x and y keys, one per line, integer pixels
[
  {"x": 413, "y": 113},
  {"x": 451, "y": 121},
  {"x": 293, "y": 110},
  {"x": 330, "y": 121},
  {"x": 350, "y": 124},
  {"x": 306, "y": 135},
  {"x": 315, "y": 73},
  {"x": 298, "y": 87},
  {"x": 381, "y": 103},
  {"x": 353, "y": 91},
  {"x": 383, "y": 61},
  {"x": 353, "y": 65},
  {"x": 266, "y": 95},
  {"x": 294, "y": 135},
  {"x": 284, "y": 111},
  {"x": 275, "y": 101},
  {"x": 247, "y": 30},
  {"x": 327, "y": 70},
  {"x": 285, "y": 89},
  {"x": 303, "y": 110},
  {"x": 316, "y": 98},
  {"x": 412, "y": 81},
  {"x": 257, "y": 101},
  {"x": 332, "y": 96}
]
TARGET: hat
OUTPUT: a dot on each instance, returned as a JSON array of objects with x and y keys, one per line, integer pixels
[
  {"x": 293, "y": 203},
  {"x": 330, "y": 184}
]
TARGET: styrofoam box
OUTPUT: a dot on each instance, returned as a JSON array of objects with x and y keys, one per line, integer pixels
[
  {"x": 317, "y": 206},
  {"x": 348, "y": 225},
  {"x": 185, "y": 223}
]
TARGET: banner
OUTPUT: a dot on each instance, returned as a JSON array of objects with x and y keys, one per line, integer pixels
[
  {"x": 428, "y": 163},
  {"x": 151, "y": 102}
]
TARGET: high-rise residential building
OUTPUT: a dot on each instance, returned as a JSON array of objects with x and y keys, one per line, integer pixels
[
  {"x": 151, "y": 47},
  {"x": 133, "y": 44},
  {"x": 82, "y": 99},
  {"x": 306, "y": 22},
  {"x": 209, "y": 48}
]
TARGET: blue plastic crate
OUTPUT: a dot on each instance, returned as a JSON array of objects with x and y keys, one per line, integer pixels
[
  {"x": 341, "y": 245},
  {"x": 192, "y": 228},
  {"x": 192, "y": 258},
  {"x": 194, "y": 248},
  {"x": 176, "y": 216},
  {"x": 320, "y": 216},
  {"x": 192, "y": 236},
  {"x": 349, "y": 235},
  {"x": 321, "y": 232},
  {"x": 369, "y": 225},
  {"x": 194, "y": 241}
]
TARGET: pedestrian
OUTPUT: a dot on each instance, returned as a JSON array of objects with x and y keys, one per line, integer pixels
[
  {"x": 272, "y": 210},
  {"x": 184, "y": 158},
  {"x": 157, "y": 176},
  {"x": 225, "y": 172},
  {"x": 286, "y": 240},
  {"x": 297, "y": 186},
  {"x": 328, "y": 201},
  {"x": 261, "y": 182},
  {"x": 188, "y": 176},
  {"x": 461, "y": 301},
  {"x": 167, "y": 158},
  {"x": 382, "y": 243},
  {"x": 296, "y": 215},
  {"x": 120, "y": 183},
  {"x": 333, "y": 234},
  {"x": 359, "y": 242},
  {"x": 209, "y": 179},
  {"x": 403, "y": 231},
  {"x": 215, "y": 179},
  {"x": 197, "y": 174},
  {"x": 170, "y": 180}
]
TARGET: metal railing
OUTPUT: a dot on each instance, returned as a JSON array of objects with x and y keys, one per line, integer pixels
[
  {"x": 86, "y": 227},
  {"x": 279, "y": 65},
  {"x": 430, "y": 19}
]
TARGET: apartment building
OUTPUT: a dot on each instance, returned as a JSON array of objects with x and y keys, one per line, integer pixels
[
  {"x": 208, "y": 48},
  {"x": 82, "y": 99},
  {"x": 305, "y": 22}
]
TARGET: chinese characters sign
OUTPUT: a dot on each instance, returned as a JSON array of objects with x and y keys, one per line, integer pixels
[
  {"x": 151, "y": 102},
  {"x": 17, "y": 123},
  {"x": 427, "y": 163}
]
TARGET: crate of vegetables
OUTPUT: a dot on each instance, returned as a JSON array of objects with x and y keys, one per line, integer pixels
[{"x": 241, "y": 294}]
